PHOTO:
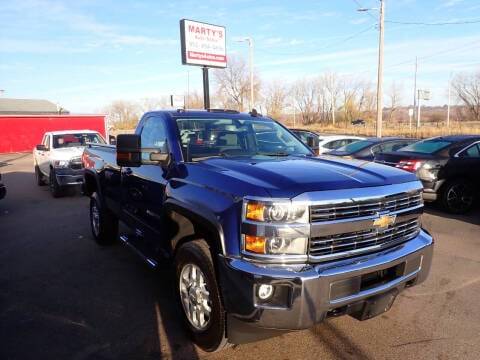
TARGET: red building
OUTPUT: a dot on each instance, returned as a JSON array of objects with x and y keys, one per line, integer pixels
[
  {"x": 22, "y": 132},
  {"x": 24, "y": 121}
]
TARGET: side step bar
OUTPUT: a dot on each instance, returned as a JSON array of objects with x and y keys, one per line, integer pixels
[{"x": 152, "y": 263}]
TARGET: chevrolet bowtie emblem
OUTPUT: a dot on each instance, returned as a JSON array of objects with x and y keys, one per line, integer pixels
[{"x": 384, "y": 221}]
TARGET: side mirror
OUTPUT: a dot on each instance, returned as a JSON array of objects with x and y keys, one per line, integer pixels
[
  {"x": 112, "y": 140},
  {"x": 41, "y": 147},
  {"x": 129, "y": 150}
]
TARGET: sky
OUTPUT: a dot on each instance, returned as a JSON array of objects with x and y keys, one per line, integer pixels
[{"x": 84, "y": 54}]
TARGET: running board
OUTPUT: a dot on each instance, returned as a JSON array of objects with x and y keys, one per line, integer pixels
[{"x": 152, "y": 263}]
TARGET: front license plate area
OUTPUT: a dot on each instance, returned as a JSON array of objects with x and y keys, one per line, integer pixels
[{"x": 376, "y": 305}]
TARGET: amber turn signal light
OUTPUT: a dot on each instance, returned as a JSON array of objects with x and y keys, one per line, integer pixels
[
  {"x": 255, "y": 211},
  {"x": 255, "y": 244}
]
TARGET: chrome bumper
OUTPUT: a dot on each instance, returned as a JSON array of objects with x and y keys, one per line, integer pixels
[
  {"x": 67, "y": 177},
  {"x": 311, "y": 293}
]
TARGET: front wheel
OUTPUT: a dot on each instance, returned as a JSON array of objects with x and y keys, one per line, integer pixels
[
  {"x": 104, "y": 224},
  {"x": 39, "y": 176},
  {"x": 199, "y": 296},
  {"x": 55, "y": 188},
  {"x": 458, "y": 196}
]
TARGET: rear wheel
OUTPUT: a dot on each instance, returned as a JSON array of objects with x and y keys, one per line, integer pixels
[
  {"x": 103, "y": 223},
  {"x": 39, "y": 178},
  {"x": 199, "y": 296},
  {"x": 55, "y": 188},
  {"x": 458, "y": 196}
]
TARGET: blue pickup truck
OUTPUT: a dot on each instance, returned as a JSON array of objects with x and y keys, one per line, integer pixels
[{"x": 264, "y": 237}]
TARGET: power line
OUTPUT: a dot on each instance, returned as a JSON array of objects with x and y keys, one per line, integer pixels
[
  {"x": 446, "y": 51},
  {"x": 343, "y": 40},
  {"x": 462, "y": 22},
  {"x": 363, "y": 7}
]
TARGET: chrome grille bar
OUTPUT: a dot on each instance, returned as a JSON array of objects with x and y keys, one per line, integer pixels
[
  {"x": 348, "y": 244},
  {"x": 396, "y": 202}
]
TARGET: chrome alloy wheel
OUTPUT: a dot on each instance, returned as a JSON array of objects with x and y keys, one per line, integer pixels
[
  {"x": 95, "y": 219},
  {"x": 459, "y": 197},
  {"x": 195, "y": 296}
]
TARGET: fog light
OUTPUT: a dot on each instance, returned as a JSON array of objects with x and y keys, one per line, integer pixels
[{"x": 265, "y": 291}]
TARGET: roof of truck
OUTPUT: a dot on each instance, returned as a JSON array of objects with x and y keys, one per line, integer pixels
[{"x": 62, "y": 132}]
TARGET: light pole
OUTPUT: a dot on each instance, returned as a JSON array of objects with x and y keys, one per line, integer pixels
[
  {"x": 250, "y": 65},
  {"x": 380, "y": 66}
]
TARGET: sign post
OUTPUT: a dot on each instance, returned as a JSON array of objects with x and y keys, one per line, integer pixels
[
  {"x": 422, "y": 95},
  {"x": 203, "y": 45}
]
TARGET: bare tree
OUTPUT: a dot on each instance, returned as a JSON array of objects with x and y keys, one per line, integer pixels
[
  {"x": 467, "y": 88},
  {"x": 194, "y": 100},
  {"x": 233, "y": 85},
  {"x": 394, "y": 98},
  {"x": 274, "y": 98},
  {"x": 305, "y": 94},
  {"x": 124, "y": 114},
  {"x": 151, "y": 103}
]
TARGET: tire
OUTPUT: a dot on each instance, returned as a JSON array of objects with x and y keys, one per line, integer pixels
[
  {"x": 39, "y": 177},
  {"x": 457, "y": 196},
  {"x": 103, "y": 223},
  {"x": 211, "y": 335},
  {"x": 55, "y": 188}
]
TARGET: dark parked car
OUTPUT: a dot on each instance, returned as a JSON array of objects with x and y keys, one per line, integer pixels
[
  {"x": 366, "y": 149},
  {"x": 358, "y": 122},
  {"x": 264, "y": 237},
  {"x": 449, "y": 168},
  {"x": 309, "y": 138},
  {"x": 3, "y": 189}
]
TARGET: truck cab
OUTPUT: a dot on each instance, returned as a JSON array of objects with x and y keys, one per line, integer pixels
[
  {"x": 57, "y": 159},
  {"x": 263, "y": 236}
]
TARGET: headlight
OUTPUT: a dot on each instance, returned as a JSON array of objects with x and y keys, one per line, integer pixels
[
  {"x": 61, "y": 163},
  {"x": 276, "y": 212},
  {"x": 428, "y": 172},
  {"x": 276, "y": 245}
]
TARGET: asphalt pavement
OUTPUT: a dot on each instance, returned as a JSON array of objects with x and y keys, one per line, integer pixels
[{"x": 64, "y": 297}]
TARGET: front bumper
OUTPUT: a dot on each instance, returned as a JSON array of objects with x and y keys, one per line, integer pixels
[
  {"x": 307, "y": 295},
  {"x": 3, "y": 191},
  {"x": 431, "y": 189},
  {"x": 67, "y": 177}
]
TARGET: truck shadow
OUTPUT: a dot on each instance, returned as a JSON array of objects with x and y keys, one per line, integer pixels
[{"x": 473, "y": 217}]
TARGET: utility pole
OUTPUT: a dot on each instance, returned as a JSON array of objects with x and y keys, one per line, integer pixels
[
  {"x": 418, "y": 109},
  {"x": 415, "y": 87},
  {"x": 187, "y": 103},
  {"x": 333, "y": 109},
  {"x": 380, "y": 70},
  {"x": 449, "y": 99},
  {"x": 250, "y": 66},
  {"x": 250, "y": 62},
  {"x": 294, "y": 114}
]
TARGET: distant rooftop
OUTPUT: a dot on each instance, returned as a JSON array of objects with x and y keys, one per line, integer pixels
[{"x": 29, "y": 107}]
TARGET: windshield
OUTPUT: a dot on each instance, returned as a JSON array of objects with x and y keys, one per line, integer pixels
[
  {"x": 427, "y": 146},
  {"x": 79, "y": 139},
  {"x": 203, "y": 138},
  {"x": 354, "y": 147}
]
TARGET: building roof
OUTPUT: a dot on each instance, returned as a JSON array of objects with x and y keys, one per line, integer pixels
[{"x": 29, "y": 106}]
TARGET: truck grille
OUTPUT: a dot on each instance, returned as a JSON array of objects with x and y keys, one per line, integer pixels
[
  {"x": 371, "y": 207},
  {"x": 76, "y": 163},
  {"x": 363, "y": 240}
]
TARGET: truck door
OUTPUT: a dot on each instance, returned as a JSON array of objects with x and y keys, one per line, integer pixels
[
  {"x": 43, "y": 157},
  {"x": 144, "y": 187}
]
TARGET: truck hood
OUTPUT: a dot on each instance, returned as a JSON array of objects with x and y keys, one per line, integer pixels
[
  {"x": 66, "y": 153},
  {"x": 290, "y": 176}
]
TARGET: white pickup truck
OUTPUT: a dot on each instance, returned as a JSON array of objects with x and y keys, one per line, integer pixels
[{"x": 58, "y": 159}]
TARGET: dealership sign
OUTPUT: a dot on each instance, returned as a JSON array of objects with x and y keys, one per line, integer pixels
[{"x": 203, "y": 44}]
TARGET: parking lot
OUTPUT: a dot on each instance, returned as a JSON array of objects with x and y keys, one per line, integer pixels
[{"x": 64, "y": 297}]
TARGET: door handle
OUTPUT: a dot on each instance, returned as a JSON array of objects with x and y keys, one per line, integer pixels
[{"x": 127, "y": 171}]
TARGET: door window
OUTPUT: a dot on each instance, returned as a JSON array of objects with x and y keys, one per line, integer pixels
[
  {"x": 153, "y": 136},
  {"x": 472, "y": 152}
]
